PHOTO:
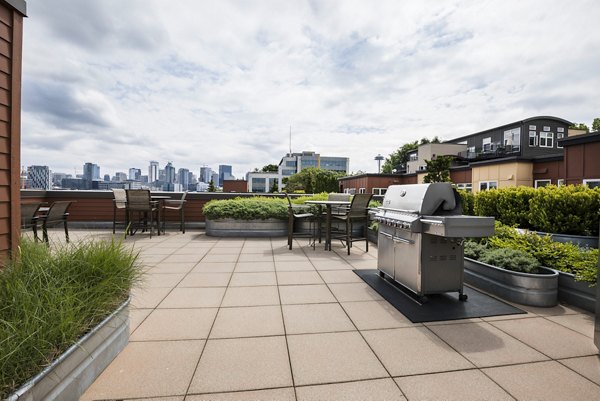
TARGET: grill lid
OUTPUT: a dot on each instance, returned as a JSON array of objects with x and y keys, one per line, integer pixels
[{"x": 422, "y": 199}]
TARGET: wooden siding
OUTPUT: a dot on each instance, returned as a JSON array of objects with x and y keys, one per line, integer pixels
[
  {"x": 582, "y": 161},
  {"x": 11, "y": 39}
]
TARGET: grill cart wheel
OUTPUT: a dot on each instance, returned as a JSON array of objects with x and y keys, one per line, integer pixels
[{"x": 462, "y": 297}]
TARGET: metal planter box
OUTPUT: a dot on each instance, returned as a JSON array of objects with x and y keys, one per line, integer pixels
[
  {"x": 522, "y": 288},
  {"x": 246, "y": 228},
  {"x": 576, "y": 293},
  {"x": 69, "y": 376}
]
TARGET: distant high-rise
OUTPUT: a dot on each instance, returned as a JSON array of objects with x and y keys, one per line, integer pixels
[
  {"x": 183, "y": 177},
  {"x": 224, "y": 173},
  {"x": 106, "y": 177},
  {"x": 205, "y": 174},
  {"x": 38, "y": 177},
  {"x": 215, "y": 178},
  {"x": 91, "y": 171},
  {"x": 135, "y": 174},
  {"x": 120, "y": 177},
  {"x": 169, "y": 173},
  {"x": 153, "y": 171}
]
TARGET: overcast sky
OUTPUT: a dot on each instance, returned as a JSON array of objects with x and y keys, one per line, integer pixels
[{"x": 119, "y": 83}]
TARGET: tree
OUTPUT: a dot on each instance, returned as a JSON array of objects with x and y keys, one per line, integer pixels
[
  {"x": 398, "y": 159},
  {"x": 211, "y": 186},
  {"x": 438, "y": 169},
  {"x": 270, "y": 168},
  {"x": 580, "y": 126},
  {"x": 596, "y": 124},
  {"x": 314, "y": 180}
]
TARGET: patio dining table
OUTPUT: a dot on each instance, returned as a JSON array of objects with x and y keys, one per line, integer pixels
[{"x": 329, "y": 205}]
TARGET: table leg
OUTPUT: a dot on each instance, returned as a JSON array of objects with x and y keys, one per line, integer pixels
[{"x": 328, "y": 228}]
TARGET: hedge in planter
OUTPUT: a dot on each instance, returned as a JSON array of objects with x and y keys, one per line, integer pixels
[
  {"x": 257, "y": 208},
  {"x": 50, "y": 298},
  {"x": 566, "y": 257}
]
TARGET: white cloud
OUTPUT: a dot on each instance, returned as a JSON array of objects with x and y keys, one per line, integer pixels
[{"x": 122, "y": 83}]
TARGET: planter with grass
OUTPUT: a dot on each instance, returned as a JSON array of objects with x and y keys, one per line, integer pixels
[
  {"x": 246, "y": 217},
  {"x": 63, "y": 317},
  {"x": 510, "y": 274}
]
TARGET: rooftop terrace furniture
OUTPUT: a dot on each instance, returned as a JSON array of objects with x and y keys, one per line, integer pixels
[
  {"x": 119, "y": 203},
  {"x": 295, "y": 216},
  {"x": 56, "y": 214},
  {"x": 358, "y": 212},
  {"x": 175, "y": 204},
  {"x": 339, "y": 210},
  {"x": 140, "y": 205},
  {"x": 29, "y": 217}
]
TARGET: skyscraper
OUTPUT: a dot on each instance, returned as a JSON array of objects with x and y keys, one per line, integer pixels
[
  {"x": 153, "y": 171},
  {"x": 91, "y": 171},
  {"x": 183, "y": 178},
  {"x": 38, "y": 177},
  {"x": 169, "y": 173},
  {"x": 135, "y": 174},
  {"x": 205, "y": 174},
  {"x": 224, "y": 173}
]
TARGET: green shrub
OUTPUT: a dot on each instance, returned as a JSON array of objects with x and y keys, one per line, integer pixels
[
  {"x": 566, "y": 257},
  {"x": 50, "y": 298},
  {"x": 510, "y": 259},
  {"x": 467, "y": 201},
  {"x": 512, "y": 205},
  {"x": 474, "y": 249},
  {"x": 571, "y": 209},
  {"x": 485, "y": 203},
  {"x": 255, "y": 208}
]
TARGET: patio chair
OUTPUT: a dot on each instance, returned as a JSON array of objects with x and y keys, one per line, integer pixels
[
  {"x": 295, "y": 217},
  {"x": 339, "y": 210},
  {"x": 56, "y": 214},
  {"x": 119, "y": 203},
  {"x": 140, "y": 204},
  {"x": 358, "y": 212},
  {"x": 29, "y": 217},
  {"x": 175, "y": 204}
]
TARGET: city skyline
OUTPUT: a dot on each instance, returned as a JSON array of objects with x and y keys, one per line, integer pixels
[{"x": 222, "y": 83}]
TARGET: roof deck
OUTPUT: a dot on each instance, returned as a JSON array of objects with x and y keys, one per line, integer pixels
[{"x": 248, "y": 319}]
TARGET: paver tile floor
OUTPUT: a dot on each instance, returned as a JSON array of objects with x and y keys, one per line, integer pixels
[{"x": 248, "y": 319}]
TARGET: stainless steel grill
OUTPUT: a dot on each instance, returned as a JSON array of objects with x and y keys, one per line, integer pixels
[{"x": 421, "y": 231}]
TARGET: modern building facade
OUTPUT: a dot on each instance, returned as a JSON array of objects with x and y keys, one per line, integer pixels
[
  {"x": 135, "y": 174},
  {"x": 91, "y": 171},
  {"x": 153, "y": 171},
  {"x": 170, "y": 173},
  {"x": 225, "y": 173},
  {"x": 260, "y": 182},
  {"x": 293, "y": 163},
  {"x": 38, "y": 177}
]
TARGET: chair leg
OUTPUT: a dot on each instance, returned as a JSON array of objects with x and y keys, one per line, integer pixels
[
  {"x": 348, "y": 234},
  {"x": 45, "y": 233},
  {"x": 366, "y": 233},
  {"x": 290, "y": 231},
  {"x": 35, "y": 233},
  {"x": 182, "y": 222},
  {"x": 66, "y": 231}
]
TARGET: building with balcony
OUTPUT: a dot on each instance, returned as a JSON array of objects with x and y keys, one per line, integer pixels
[
  {"x": 38, "y": 177},
  {"x": 293, "y": 163},
  {"x": 536, "y": 151}
]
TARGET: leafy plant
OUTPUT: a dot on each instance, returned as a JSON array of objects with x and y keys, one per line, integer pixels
[
  {"x": 512, "y": 205},
  {"x": 571, "y": 209},
  {"x": 398, "y": 159},
  {"x": 485, "y": 203},
  {"x": 467, "y": 201},
  {"x": 255, "y": 208},
  {"x": 50, "y": 298},
  {"x": 474, "y": 249},
  {"x": 510, "y": 259},
  {"x": 438, "y": 169},
  {"x": 313, "y": 180}
]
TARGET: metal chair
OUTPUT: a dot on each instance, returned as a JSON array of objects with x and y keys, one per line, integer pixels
[
  {"x": 339, "y": 197},
  {"x": 175, "y": 204},
  {"x": 358, "y": 211},
  {"x": 294, "y": 217},
  {"x": 56, "y": 214},
  {"x": 29, "y": 217},
  {"x": 119, "y": 203},
  {"x": 139, "y": 202}
]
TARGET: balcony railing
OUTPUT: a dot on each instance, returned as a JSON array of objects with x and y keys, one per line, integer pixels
[{"x": 490, "y": 151}]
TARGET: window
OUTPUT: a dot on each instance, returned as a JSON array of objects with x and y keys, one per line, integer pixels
[
  {"x": 546, "y": 139},
  {"x": 466, "y": 186},
  {"x": 559, "y": 135},
  {"x": 487, "y": 144},
  {"x": 546, "y": 129},
  {"x": 532, "y": 128},
  {"x": 542, "y": 183},
  {"x": 379, "y": 191},
  {"x": 533, "y": 138},
  {"x": 414, "y": 157},
  {"x": 361, "y": 190},
  {"x": 592, "y": 183},
  {"x": 422, "y": 168},
  {"x": 350, "y": 191},
  {"x": 512, "y": 139},
  {"x": 560, "y": 182},
  {"x": 560, "y": 129},
  {"x": 485, "y": 185},
  {"x": 471, "y": 149}
]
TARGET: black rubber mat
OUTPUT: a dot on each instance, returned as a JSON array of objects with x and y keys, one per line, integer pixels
[{"x": 439, "y": 306}]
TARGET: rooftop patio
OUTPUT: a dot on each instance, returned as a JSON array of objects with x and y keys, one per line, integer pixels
[{"x": 248, "y": 319}]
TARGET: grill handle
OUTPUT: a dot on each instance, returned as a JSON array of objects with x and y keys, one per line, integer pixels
[
  {"x": 397, "y": 239},
  {"x": 427, "y": 221}
]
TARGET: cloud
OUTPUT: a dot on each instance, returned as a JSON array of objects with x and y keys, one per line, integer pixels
[{"x": 122, "y": 83}]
